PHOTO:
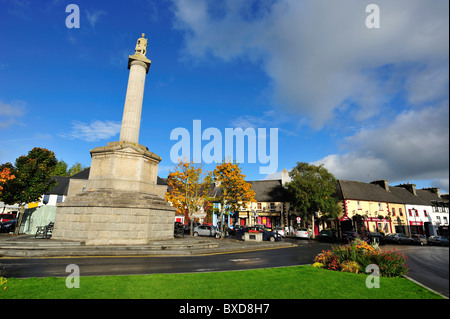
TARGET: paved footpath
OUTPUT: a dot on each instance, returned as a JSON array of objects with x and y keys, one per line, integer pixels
[{"x": 28, "y": 246}]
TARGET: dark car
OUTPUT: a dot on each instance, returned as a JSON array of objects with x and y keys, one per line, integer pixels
[
  {"x": 376, "y": 238},
  {"x": 402, "y": 239},
  {"x": 235, "y": 229},
  {"x": 437, "y": 240},
  {"x": 267, "y": 235},
  {"x": 326, "y": 235},
  {"x": 349, "y": 236},
  {"x": 8, "y": 226}
]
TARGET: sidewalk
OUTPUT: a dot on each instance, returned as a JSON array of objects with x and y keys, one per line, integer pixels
[{"x": 27, "y": 246}]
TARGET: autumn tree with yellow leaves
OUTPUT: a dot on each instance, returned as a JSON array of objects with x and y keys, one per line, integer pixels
[
  {"x": 188, "y": 188},
  {"x": 5, "y": 175},
  {"x": 235, "y": 191}
]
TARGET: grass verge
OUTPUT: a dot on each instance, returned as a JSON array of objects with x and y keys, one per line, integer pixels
[{"x": 301, "y": 282}]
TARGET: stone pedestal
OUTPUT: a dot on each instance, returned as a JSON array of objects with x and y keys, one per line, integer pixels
[
  {"x": 123, "y": 166},
  {"x": 111, "y": 217}
]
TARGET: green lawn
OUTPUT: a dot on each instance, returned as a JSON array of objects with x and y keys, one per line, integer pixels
[{"x": 302, "y": 282}]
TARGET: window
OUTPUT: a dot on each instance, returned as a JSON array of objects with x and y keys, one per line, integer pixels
[
  {"x": 393, "y": 211},
  {"x": 417, "y": 212},
  {"x": 359, "y": 205},
  {"x": 445, "y": 220},
  {"x": 46, "y": 199},
  {"x": 272, "y": 206},
  {"x": 59, "y": 199},
  {"x": 380, "y": 207},
  {"x": 400, "y": 212},
  {"x": 258, "y": 206},
  {"x": 410, "y": 212},
  {"x": 425, "y": 213}
]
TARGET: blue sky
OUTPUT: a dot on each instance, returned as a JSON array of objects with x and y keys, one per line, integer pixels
[{"x": 367, "y": 103}]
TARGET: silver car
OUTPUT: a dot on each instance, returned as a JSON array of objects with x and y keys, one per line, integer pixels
[{"x": 206, "y": 230}]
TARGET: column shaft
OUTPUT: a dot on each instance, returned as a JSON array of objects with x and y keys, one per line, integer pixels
[{"x": 131, "y": 120}]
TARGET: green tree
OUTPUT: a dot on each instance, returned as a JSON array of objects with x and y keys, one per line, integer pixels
[
  {"x": 33, "y": 174},
  {"x": 75, "y": 168},
  {"x": 312, "y": 190},
  {"x": 61, "y": 168}
]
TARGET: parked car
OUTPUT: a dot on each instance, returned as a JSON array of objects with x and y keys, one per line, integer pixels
[
  {"x": 235, "y": 229},
  {"x": 437, "y": 240},
  {"x": 187, "y": 227},
  {"x": 302, "y": 233},
  {"x": 349, "y": 236},
  {"x": 377, "y": 238},
  {"x": 206, "y": 230},
  {"x": 420, "y": 239},
  {"x": 326, "y": 235},
  {"x": 8, "y": 226},
  {"x": 267, "y": 234},
  {"x": 6, "y": 217},
  {"x": 279, "y": 230},
  {"x": 401, "y": 239}
]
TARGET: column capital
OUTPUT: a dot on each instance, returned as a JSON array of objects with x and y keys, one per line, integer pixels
[{"x": 140, "y": 60}]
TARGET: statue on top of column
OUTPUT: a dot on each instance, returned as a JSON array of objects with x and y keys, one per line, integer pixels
[{"x": 141, "y": 45}]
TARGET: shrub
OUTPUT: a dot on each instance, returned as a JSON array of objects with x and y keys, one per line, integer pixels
[
  {"x": 317, "y": 265},
  {"x": 356, "y": 256},
  {"x": 349, "y": 266}
]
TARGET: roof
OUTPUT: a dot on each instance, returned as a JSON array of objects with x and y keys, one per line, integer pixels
[
  {"x": 269, "y": 191},
  {"x": 407, "y": 197},
  {"x": 61, "y": 186},
  {"x": 429, "y": 196},
  {"x": 84, "y": 174},
  {"x": 364, "y": 191}
]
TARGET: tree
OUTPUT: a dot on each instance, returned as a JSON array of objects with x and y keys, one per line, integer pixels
[
  {"x": 5, "y": 175},
  {"x": 61, "y": 169},
  {"x": 235, "y": 191},
  {"x": 33, "y": 174},
  {"x": 312, "y": 190},
  {"x": 75, "y": 168},
  {"x": 187, "y": 189}
]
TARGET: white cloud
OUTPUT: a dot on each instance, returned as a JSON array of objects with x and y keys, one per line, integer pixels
[
  {"x": 319, "y": 54},
  {"x": 413, "y": 146},
  {"x": 95, "y": 131},
  {"x": 9, "y": 112},
  {"x": 93, "y": 16}
]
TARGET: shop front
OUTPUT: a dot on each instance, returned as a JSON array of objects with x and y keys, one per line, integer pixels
[
  {"x": 416, "y": 228},
  {"x": 376, "y": 225}
]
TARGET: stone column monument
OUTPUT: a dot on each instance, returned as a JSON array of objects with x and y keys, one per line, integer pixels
[{"x": 120, "y": 205}]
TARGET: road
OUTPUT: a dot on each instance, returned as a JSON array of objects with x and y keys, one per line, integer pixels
[
  {"x": 303, "y": 253},
  {"x": 428, "y": 265}
]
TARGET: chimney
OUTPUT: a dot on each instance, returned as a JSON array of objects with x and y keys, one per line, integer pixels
[
  {"x": 434, "y": 190},
  {"x": 383, "y": 183},
  {"x": 410, "y": 187},
  {"x": 285, "y": 177}
]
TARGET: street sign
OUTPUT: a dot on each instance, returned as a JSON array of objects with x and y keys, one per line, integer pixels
[{"x": 299, "y": 219}]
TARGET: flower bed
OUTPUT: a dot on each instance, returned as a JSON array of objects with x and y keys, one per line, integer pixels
[{"x": 355, "y": 257}]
